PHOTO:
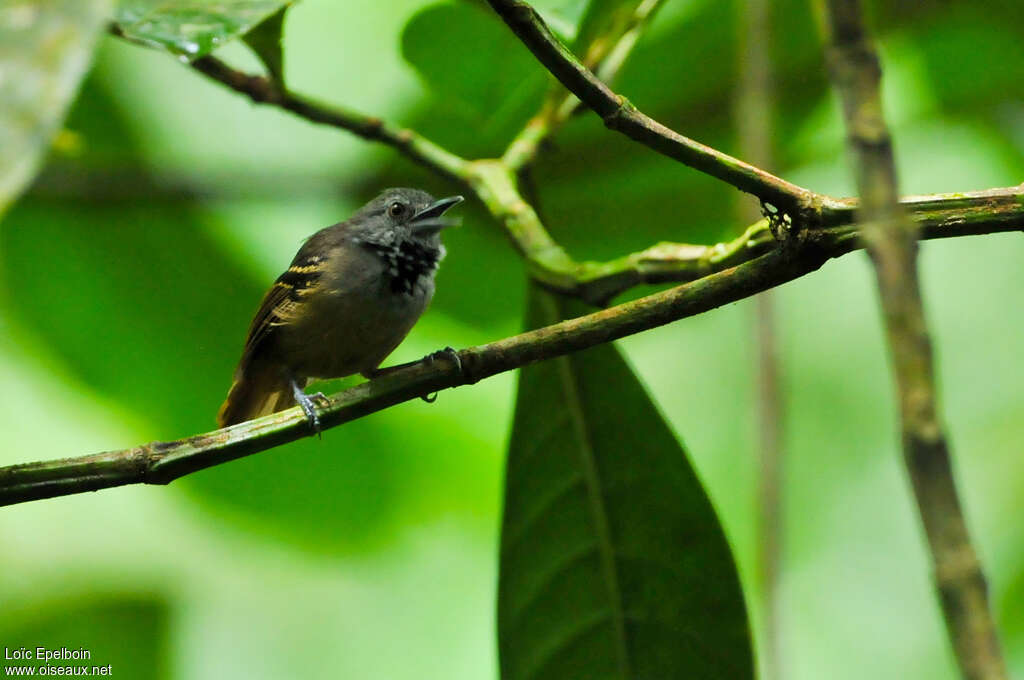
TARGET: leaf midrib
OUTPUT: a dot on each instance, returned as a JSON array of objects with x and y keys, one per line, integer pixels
[{"x": 592, "y": 482}]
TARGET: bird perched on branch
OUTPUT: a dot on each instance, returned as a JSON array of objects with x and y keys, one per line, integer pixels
[{"x": 350, "y": 296}]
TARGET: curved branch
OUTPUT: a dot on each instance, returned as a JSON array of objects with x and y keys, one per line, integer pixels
[
  {"x": 265, "y": 91},
  {"x": 891, "y": 241},
  {"x": 163, "y": 462},
  {"x": 620, "y": 115}
]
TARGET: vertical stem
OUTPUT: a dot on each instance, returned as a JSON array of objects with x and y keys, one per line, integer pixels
[
  {"x": 753, "y": 112},
  {"x": 769, "y": 492},
  {"x": 891, "y": 242}
]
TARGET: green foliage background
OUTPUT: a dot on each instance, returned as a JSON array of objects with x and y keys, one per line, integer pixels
[{"x": 129, "y": 273}]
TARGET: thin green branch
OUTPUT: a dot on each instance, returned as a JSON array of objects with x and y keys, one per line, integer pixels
[
  {"x": 891, "y": 241},
  {"x": 753, "y": 111},
  {"x": 938, "y": 216},
  {"x": 620, "y": 115},
  {"x": 163, "y": 462},
  {"x": 263, "y": 90},
  {"x": 609, "y": 52}
]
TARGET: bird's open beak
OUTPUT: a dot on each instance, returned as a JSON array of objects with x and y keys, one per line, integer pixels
[{"x": 429, "y": 219}]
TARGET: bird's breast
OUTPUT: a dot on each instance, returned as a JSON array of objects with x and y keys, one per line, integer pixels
[{"x": 359, "y": 314}]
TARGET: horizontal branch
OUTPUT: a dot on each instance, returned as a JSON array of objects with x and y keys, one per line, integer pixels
[
  {"x": 620, "y": 115},
  {"x": 163, "y": 462}
]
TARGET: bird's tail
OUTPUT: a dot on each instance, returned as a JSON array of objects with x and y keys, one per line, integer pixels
[{"x": 258, "y": 390}]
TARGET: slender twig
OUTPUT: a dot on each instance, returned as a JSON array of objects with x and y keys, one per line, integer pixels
[
  {"x": 608, "y": 52},
  {"x": 891, "y": 241},
  {"x": 754, "y": 122},
  {"x": 163, "y": 462},
  {"x": 619, "y": 114},
  {"x": 263, "y": 90},
  {"x": 938, "y": 216}
]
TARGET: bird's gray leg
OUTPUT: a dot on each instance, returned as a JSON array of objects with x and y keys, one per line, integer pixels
[{"x": 307, "y": 405}]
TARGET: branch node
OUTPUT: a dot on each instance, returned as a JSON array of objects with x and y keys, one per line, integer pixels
[
  {"x": 404, "y": 136},
  {"x": 624, "y": 111},
  {"x": 780, "y": 223},
  {"x": 142, "y": 457}
]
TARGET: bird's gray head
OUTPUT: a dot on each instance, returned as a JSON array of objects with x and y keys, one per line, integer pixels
[
  {"x": 403, "y": 214},
  {"x": 403, "y": 226}
]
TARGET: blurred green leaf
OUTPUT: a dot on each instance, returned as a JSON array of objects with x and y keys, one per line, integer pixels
[
  {"x": 126, "y": 632},
  {"x": 603, "y": 19},
  {"x": 613, "y": 563},
  {"x": 45, "y": 50},
  {"x": 473, "y": 64},
  {"x": 965, "y": 51},
  {"x": 562, "y": 16},
  {"x": 127, "y": 301},
  {"x": 265, "y": 41},
  {"x": 192, "y": 28},
  {"x": 1011, "y": 617}
]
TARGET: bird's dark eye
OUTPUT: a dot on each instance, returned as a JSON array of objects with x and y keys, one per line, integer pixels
[{"x": 396, "y": 209}]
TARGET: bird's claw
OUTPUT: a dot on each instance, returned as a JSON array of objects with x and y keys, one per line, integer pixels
[
  {"x": 311, "y": 417},
  {"x": 306, "y": 402},
  {"x": 449, "y": 353}
]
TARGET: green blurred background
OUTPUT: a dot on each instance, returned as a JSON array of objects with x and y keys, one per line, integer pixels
[{"x": 129, "y": 272}]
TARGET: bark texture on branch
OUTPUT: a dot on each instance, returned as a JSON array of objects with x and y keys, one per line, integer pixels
[{"x": 891, "y": 241}]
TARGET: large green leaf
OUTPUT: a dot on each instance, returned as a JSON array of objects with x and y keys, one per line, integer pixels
[
  {"x": 613, "y": 562},
  {"x": 474, "y": 65},
  {"x": 265, "y": 41},
  {"x": 192, "y": 28},
  {"x": 45, "y": 49},
  {"x": 603, "y": 19}
]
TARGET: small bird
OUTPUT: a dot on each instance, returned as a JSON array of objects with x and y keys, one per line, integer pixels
[{"x": 351, "y": 295}]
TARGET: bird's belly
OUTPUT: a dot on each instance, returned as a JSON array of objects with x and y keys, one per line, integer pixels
[{"x": 353, "y": 330}]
